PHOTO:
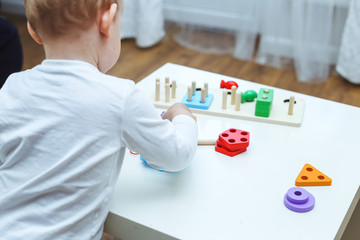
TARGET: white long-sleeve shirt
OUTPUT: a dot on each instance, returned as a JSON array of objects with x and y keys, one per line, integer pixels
[{"x": 64, "y": 129}]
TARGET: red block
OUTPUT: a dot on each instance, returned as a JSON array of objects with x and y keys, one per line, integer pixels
[
  {"x": 234, "y": 139},
  {"x": 219, "y": 148}
]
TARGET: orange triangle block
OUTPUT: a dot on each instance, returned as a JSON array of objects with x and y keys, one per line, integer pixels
[{"x": 310, "y": 176}]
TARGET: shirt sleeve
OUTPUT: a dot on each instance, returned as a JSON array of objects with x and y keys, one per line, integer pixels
[{"x": 166, "y": 145}]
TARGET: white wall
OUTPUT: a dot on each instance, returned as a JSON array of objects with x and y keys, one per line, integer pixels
[{"x": 13, "y": 6}]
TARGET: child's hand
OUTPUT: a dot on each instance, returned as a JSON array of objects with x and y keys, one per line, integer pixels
[{"x": 177, "y": 109}]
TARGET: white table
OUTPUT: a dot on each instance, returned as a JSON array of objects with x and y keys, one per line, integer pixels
[{"x": 241, "y": 197}]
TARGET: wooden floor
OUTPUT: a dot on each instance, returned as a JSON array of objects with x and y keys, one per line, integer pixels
[{"x": 136, "y": 63}]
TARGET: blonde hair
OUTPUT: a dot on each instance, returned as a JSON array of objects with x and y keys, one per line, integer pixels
[{"x": 57, "y": 17}]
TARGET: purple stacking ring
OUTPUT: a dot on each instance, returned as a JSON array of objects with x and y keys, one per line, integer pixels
[{"x": 299, "y": 200}]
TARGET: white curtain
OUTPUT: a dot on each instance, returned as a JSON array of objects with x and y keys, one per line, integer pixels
[
  {"x": 305, "y": 34},
  {"x": 349, "y": 57},
  {"x": 144, "y": 21}
]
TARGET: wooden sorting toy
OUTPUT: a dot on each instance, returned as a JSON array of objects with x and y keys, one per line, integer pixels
[
  {"x": 219, "y": 103},
  {"x": 310, "y": 176}
]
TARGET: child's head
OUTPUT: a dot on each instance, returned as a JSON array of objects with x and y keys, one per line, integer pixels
[
  {"x": 55, "y": 18},
  {"x": 69, "y": 20}
]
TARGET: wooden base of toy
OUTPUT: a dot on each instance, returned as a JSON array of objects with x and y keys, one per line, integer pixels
[{"x": 279, "y": 111}]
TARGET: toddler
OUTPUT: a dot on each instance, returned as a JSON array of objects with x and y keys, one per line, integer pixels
[{"x": 65, "y": 125}]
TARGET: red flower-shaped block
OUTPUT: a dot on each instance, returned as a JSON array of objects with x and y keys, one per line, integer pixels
[
  {"x": 219, "y": 148},
  {"x": 234, "y": 139}
]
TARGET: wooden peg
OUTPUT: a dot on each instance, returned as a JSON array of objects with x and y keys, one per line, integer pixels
[
  {"x": 193, "y": 87},
  {"x": 167, "y": 80},
  {"x": 206, "y": 142},
  {"x": 224, "y": 99},
  {"x": 167, "y": 92},
  {"x": 233, "y": 95},
  {"x": 206, "y": 86},
  {"x": 173, "y": 89},
  {"x": 189, "y": 94},
  {"x": 157, "y": 90},
  {"x": 238, "y": 101},
  {"x": 203, "y": 95},
  {"x": 291, "y": 105}
]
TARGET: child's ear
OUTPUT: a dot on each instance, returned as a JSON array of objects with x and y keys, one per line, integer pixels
[
  {"x": 106, "y": 19},
  {"x": 33, "y": 34}
]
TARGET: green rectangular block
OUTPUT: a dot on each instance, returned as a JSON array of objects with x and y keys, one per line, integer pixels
[{"x": 264, "y": 102}]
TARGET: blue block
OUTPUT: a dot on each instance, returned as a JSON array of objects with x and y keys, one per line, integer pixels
[
  {"x": 146, "y": 164},
  {"x": 195, "y": 103}
]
